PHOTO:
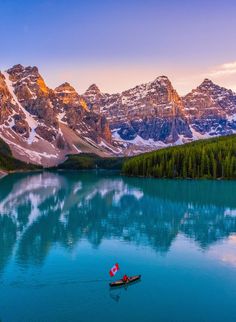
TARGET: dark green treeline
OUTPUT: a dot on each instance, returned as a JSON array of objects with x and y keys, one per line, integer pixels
[
  {"x": 213, "y": 158},
  {"x": 9, "y": 163}
]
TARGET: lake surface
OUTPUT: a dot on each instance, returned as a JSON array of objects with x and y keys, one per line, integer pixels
[{"x": 61, "y": 232}]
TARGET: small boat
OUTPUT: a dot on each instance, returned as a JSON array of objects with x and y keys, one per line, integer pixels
[{"x": 132, "y": 279}]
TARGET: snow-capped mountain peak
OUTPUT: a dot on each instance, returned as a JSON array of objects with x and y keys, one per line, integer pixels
[
  {"x": 93, "y": 89},
  {"x": 211, "y": 109},
  {"x": 65, "y": 88},
  {"x": 42, "y": 125}
]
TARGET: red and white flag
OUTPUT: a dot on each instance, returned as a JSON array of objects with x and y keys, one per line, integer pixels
[{"x": 114, "y": 270}]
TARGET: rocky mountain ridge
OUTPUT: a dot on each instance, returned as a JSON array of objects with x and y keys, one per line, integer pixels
[
  {"x": 152, "y": 111},
  {"x": 42, "y": 125},
  {"x": 211, "y": 109},
  {"x": 153, "y": 115}
]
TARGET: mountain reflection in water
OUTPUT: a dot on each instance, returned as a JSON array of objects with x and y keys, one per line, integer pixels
[{"x": 39, "y": 210}]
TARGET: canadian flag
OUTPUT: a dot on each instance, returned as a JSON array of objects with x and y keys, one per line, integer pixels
[{"x": 114, "y": 270}]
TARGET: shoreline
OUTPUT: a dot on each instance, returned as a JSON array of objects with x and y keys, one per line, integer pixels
[{"x": 3, "y": 174}]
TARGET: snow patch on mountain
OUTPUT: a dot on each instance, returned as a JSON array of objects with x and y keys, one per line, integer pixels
[
  {"x": 138, "y": 140},
  {"x": 30, "y": 120}
]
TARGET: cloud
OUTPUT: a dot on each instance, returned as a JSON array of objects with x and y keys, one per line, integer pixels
[{"x": 226, "y": 69}]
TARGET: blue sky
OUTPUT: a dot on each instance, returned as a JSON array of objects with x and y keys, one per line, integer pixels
[{"x": 118, "y": 44}]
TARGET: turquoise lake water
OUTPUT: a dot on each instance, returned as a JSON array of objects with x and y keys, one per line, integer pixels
[{"x": 61, "y": 232}]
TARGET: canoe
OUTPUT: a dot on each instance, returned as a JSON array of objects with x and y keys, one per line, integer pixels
[{"x": 122, "y": 283}]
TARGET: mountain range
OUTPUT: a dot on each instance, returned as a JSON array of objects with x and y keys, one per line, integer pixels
[{"x": 43, "y": 125}]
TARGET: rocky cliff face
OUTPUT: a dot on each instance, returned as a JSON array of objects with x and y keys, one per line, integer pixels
[
  {"x": 42, "y": 125},
  {"x": 152, "y": 111},
  {"x": 75, "y": 112},
  {"x": 93, "y": 98},
  {"x": 211, "y": 110},
  {"x": 154, "y": 115},
  {"x": 33, "y": 118},
  {"x": 36, "y": 98},
  {"x": 11, "y": 115}
]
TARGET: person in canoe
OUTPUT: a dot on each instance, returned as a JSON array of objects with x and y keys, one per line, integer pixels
[{"x": 125, "y": 278}]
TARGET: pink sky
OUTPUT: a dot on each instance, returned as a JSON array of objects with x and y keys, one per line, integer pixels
[
  {"x": 120, "y": 44},
  {"x": 116, "y": 78}
]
